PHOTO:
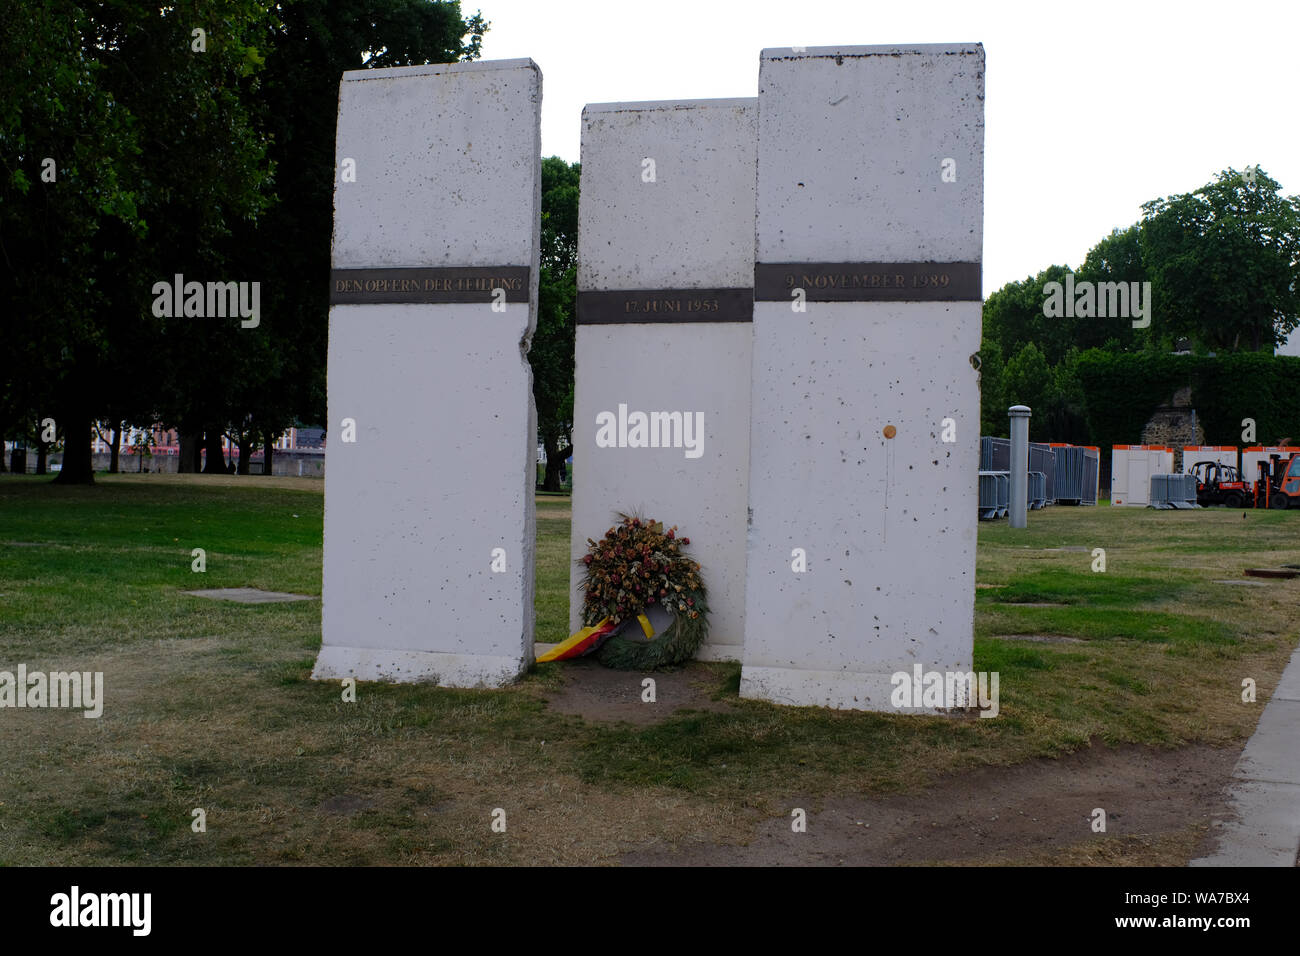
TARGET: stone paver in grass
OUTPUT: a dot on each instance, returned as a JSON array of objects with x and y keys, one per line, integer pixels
[{"x": 250, "y": 595}]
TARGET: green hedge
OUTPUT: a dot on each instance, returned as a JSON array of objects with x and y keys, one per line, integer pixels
[{"x": 1122, "y": 390}]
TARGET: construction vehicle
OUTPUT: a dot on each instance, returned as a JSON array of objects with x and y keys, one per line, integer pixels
[
  {"x": 1219, "y": 484},
  {"x": 1278, "y": 484}
]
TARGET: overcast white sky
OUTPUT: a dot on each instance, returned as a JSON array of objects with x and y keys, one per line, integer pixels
[{"x": 1091, "y": 109}]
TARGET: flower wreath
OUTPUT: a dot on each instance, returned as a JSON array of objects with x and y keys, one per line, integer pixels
[{"x": 638, "y": 565}]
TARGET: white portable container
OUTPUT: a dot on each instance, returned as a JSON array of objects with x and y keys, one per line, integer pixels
[
  {"x": 1250, "y": 458},
  {"x": 1131, "y": 468}
]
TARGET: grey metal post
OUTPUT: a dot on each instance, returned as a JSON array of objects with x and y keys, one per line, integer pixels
[{"x": 1019, "y": 464}]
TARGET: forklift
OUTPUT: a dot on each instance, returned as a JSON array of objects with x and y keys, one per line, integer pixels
[
  {"x": 1219, "y": 484},
  {"x": 1278, "y": 485}
]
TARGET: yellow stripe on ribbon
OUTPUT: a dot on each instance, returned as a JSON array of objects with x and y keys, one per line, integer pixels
[
  {"x": 573, "y": 645},
  {"x": 577, "y": 644}
]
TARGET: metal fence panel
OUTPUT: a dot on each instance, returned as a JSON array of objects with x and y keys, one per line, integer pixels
[
  {"x": 1170, "y": 492},
  {"x": 995, "y": 494},
  {"x": 1075, "y": 475}
]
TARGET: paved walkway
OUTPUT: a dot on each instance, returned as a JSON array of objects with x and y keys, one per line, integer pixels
[{"x": 1265, "y": 788}]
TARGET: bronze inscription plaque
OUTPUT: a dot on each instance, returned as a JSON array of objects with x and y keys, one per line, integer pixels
[
  {"x": 665, "y": 305},
  {"x": 433, "y": 286},
  {"x": 868, "y": 281}
]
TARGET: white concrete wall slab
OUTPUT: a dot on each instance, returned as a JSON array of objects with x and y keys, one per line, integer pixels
[
  {"x": 447, "y": 175},
  {"x": 851, "y": 149},
  {"x": 691, "y": 228}
]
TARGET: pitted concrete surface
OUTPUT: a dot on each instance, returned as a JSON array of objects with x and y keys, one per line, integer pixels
[
  {"x": 694, "y": 230},
  {"x": 428, "y": 566}
]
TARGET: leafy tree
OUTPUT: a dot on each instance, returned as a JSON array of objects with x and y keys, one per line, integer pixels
[
  {"x": 993, "y": 407},
  {"x": 159, "y": 157},
  {"x": 307, "y": 49},
  {"x": 1225, "y": 261},
  {"x": 1013, "y": 317},
  {"x": 1027, "y": 380},
  {"x": 551, "y": 353},
  {"x": 1063, "y": 416},
  {"x": 167, "y": 146},
  {"x": 69, "y": 191},
  {"x": 1117, "y": 258}
]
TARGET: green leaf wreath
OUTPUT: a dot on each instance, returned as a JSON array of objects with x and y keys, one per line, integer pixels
[{"x": 637, "y": 565}]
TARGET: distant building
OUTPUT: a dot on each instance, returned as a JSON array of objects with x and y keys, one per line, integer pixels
[
  {"x": 306, "y": 436},
  {"x": 166, "y": 441},
  {"x": 160, "y": 439}
]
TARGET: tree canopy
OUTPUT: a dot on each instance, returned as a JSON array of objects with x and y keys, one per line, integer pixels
[
  {"x": 197, "y": 139},
  {"x": 551, "y": 353},
  {"x": 1224, "y": 267},
  {"x": 1225, "y": 261}
]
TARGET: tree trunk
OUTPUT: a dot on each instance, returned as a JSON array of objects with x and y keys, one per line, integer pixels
[
  {"x": 268, "y": 446},
  {"x": 188, "y": 461},
  {"x": 2, "y": 455},
  {"x": 78, "y": 468},
  {"x": 554, "y": 458},
  {"x": 216, "y": 463},
  {"x": 113, "y": 453},
  {"x": 42, "y": 455},
  {"x": 245, "y": 453},
  {"x": 18, "y": 461}
]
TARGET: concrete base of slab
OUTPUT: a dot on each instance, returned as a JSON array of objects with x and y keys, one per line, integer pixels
[
  {"x": 406, "y": 667},
  {"x": 720, "y": 652},
  {"x": 250, "y": 595},
  {"x": 806, "y": 688}
]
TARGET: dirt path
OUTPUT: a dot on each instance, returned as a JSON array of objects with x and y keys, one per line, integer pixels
[
  {"x": 1158, "y": 803},
  {"x": 594, "y": 692},
  {"x": 1038, "y": 812}
]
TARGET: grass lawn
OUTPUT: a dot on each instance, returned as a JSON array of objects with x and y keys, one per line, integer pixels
[{"x": 209, "y": 704}]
